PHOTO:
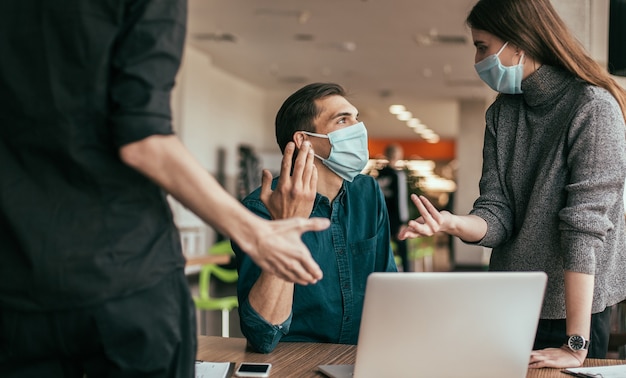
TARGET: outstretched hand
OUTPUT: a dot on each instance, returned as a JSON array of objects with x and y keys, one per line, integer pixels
[
  {"x": 430, "y": 222},
  {"x": 295, "y": 192},
  {"x": 554, "y": 358},
  {"x": 282, "y": 252}
]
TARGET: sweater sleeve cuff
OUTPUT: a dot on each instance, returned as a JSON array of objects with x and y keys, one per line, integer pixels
[
  {"x": 579, "y": 252},
  {"x": 496, "y": 232}
]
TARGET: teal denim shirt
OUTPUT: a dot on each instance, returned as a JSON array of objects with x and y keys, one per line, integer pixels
[{"x": 356, "y": 244}]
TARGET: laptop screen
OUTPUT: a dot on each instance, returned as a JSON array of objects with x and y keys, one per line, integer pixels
[{"x": 470, "y": 324}]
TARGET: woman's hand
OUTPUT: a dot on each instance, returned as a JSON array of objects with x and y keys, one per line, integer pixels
[
  {"x": 429, "y": 223},
  {"x": 469, "y": 228},
  {"x": 556, "y": 358}
]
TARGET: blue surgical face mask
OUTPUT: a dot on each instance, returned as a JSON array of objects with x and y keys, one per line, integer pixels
[
  {"x": 501, "y": 78},
  {"x": 348, "y": 150}
]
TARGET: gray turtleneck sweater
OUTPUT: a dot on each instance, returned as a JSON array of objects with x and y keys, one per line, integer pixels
[{"x": 551, "y": 191}]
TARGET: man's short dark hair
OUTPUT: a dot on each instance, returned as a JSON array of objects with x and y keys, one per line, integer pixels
[{"x": 299, "y": 110}]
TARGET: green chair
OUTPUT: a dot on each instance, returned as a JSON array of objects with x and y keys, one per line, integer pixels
[
  {"x": 396, "y": 258},
  {"x": 422, "y": 249},
  {"x": 204, "y": 302},
  {"x": 222, "y": 247}
]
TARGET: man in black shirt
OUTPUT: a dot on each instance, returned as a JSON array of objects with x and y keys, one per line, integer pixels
[
  {"x": 393, "y": 183},
  {"x": 91, "y": 268}
]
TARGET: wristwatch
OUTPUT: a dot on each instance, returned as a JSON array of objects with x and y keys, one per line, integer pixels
[{"x": 577, "y": 343}]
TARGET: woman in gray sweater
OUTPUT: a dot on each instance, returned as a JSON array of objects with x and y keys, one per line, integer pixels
[{"x": 554, "y": 165}]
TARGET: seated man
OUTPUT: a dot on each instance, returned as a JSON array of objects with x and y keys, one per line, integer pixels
[{"x": 325, "y": 184}]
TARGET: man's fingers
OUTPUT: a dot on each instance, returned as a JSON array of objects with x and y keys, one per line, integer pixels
[
  {"x": 311, "y": 269},
  {"x": 306, "y": 271},
  {"x": 299, "y": 164},
  {"x": 314, "y": 224},
  {"x": 285, "y": 164},
  {"x": 287, "y": 273},
  {"x": 293, "y": 261},
  {"x": 313, "y": 181},
  {"x": 311, "y": 272},
  {"x": 266, "y": 186},
  {"x": 299, "y": 267},
  {"x": 310, "y": 172}
]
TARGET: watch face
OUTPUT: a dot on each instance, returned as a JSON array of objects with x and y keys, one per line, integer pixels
[{"x": 576, "y": 342}]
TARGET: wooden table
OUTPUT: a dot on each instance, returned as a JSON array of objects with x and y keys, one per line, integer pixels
[{"x": 301, "y": 359}]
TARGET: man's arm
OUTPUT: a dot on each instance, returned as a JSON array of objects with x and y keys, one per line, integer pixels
[
  {"x": 275, "y": 246},
  {"x": 266, "y": 300},
  {"x": 294, "y": 195}
]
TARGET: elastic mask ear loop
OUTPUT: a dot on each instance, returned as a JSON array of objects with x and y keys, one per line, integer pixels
[
  {"x": 319, "y": 136},
  {"x": 316, "y": 134},
  {"x": 502, "y": 48}
]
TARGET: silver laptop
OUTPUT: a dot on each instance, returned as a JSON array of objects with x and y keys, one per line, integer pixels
[{"x": 470, "y": 324}]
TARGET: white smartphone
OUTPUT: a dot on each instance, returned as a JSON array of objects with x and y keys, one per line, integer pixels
[{"x": 253, "y": 369}]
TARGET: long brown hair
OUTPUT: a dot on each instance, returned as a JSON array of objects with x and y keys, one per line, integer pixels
[{"x": 535, "y": 27}]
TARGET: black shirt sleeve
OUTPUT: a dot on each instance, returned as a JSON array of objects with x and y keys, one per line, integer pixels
[{"x": 145, "y": 60}]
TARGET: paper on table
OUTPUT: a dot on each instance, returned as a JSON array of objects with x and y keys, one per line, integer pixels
[
  {"x": 206, "y": 369},
  {"x": 616, "y": 371}
]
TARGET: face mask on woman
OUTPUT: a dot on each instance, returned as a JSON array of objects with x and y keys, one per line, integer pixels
[
  {"x": 501, "y": 78},
  {"x": 348, "y": 150}
]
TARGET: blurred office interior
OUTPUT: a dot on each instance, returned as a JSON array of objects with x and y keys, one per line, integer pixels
[{"x": 242, "y": 59}]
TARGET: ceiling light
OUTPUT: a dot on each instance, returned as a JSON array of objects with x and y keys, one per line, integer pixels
[
  {"x": 396, "y": 109},
  {"x": 404, "y": 116},
  {"x": 433, "y": 139},
  {"x": 413, "y": 122},
  {"x": 428, "y": 134},
  {"x": 420, "y": 128}
]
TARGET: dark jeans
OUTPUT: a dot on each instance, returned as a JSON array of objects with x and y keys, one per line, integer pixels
[
  {"x": 151, "y": 333},
  {"x": 551, "y": 334}
]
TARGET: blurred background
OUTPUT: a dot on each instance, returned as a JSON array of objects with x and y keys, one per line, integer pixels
[{"x": 408, "y": 66}]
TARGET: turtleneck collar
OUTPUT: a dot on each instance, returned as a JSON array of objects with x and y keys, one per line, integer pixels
[{"x": 546, "y": 85}]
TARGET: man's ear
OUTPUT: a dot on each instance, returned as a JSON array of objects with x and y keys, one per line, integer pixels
[{"x": 298, "y": 139}]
